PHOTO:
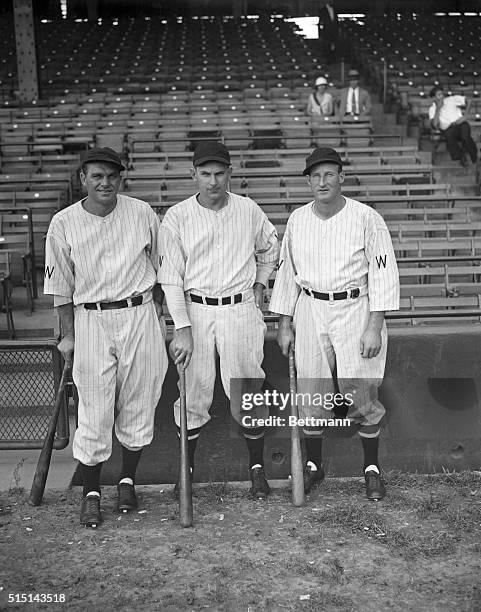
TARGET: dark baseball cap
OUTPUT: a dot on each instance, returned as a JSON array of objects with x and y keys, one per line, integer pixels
[
  {"x": 211, "y": 151},
  {"x": 322, "y": 155},
  {"x": 104, "y": 155}
]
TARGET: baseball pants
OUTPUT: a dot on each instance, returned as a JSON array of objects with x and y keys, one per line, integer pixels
[
  {"x": 119, "y": 366},
  {"x": 457, "y": 135},
  {"x": 328, "y": 341},
  {"x": 236, "y": 332}
]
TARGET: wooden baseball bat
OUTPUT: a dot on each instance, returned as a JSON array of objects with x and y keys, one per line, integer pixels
[
  {"x": 185, "y": 482},
  {"x": 43, "y": 464},
  {"x": 297, "y": 475}
]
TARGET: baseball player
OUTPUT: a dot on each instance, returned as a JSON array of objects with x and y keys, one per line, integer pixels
[
  {"x": 219, "y": 250},
  {"x": 337, "y": 276},
  {"x": 102, "y": 261}
]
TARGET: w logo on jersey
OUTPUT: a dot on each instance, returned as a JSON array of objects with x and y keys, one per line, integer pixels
[
  {"x": 49, "y": 272},
  {"x": 381, "y": 261}
]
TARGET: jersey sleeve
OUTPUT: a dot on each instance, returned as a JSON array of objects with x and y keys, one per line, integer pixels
[
  {"x": 286, "y": 290},
  {"x": 155, "y": 240},
  {"x": 59, "y": 275},
  {"x": 266, "y": 249},
  {"x": 383, "y": 275},
  {"x": 172, "y": 270},
  {"x": 173, "y": 258}
]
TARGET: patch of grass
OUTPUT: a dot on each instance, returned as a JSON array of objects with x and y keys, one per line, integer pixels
[
  {"x": 459, "y": 519},
  {"x": 424, "y": 542},
  {"x": 325, "y": 600},
  {"x": 351, "y": 517},
  {"x": 409, "y": 545},
  {"x": 433, "y": 505},
  {"x": 465, "y": 519}
]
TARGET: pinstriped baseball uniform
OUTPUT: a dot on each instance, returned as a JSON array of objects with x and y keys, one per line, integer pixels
[
  {"x": 218, "y": 254},
  {"x": 349, "y": 250},
  {"x": 120, "y": 358}
]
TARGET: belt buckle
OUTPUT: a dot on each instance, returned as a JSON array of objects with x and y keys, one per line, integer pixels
[
  {"x": 129, "y": 302},
  {"x": 331, "y": 297}
]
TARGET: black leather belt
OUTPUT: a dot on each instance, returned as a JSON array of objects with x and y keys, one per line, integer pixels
[
  {"x": 341, "y": 295},
  {"x": 231, "y": 299},
  {"x": 135, "y": 301}
]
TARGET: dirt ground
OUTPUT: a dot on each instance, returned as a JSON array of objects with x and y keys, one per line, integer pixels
[{"x": 419, "y": 549}]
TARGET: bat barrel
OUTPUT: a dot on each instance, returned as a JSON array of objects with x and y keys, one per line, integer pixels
[
  {"x": 297, "y": 475},
  {"x": 43, "y": 464},
  {"x": 185, "y": 483}
]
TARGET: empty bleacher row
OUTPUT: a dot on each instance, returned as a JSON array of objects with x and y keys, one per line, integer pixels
[{"x": 159, "y": 55}]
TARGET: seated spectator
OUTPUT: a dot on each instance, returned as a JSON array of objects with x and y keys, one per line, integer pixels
[
  {"x": 446, "y": 114},
  {"x": 320, "y": 102},
  {"x": 354, "y": 100}
]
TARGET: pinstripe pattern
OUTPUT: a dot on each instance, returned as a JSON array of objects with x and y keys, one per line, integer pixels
[
  {"x": 119, "y": 366},
  {"x": 327, "y": 336},
  {"x": 94, "y": 259},
  {"x": 120, "y": 358},
  {"x": 214, "y": 253},
  {"x": 335, "y": 255},
  {"x": 236, "y": 333},
  {"x": 351, "y": 249}
]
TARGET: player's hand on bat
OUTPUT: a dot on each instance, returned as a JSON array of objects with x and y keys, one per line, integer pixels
[
  {"x": 259, "y": 294},
  {"x": 285, "y": 339},
  {"x": 66, "y": 347},
  {"x": 182, "y": 346},
  {"x": 370, "y": 343}
]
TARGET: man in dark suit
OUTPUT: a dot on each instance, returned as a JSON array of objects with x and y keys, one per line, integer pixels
[
  {"x": 354, "y": 100},
  {"x": 328, "y": 29}
]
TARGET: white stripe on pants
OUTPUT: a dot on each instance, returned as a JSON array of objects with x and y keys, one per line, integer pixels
[
  {"x": 328, "y": 337},
  {"x": 237, "y": 332},
  {"x": 120, "y": 363}
]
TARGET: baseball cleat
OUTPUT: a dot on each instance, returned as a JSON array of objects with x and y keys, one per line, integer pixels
[
  {"x": 260, "y": 487},
  {"x": 126, "y": 498},
  {"x": 375, "y": 488},
  {"x": 90, "y": 511},
  {"x": 312, "y": 478}
]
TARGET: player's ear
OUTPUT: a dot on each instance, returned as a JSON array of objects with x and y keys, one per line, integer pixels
[
  {"x": 342, "y": 176},
  {"x": 192, "y": 173},
  {"x": 82, "y": 177}
]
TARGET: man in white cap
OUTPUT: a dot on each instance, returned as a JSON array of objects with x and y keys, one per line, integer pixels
[
  {"x": 354, "y": 100},
  {"x": 320, "y": 102}
]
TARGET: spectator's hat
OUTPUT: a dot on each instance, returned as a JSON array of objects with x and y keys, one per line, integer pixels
[
  {"x": 320, "y": 81},
  {"x": 104, "y": 155},
  {"x": 322, "y": 155},
  {"x": 353, "y": 74},
  {"x": 211, "y": 151}
]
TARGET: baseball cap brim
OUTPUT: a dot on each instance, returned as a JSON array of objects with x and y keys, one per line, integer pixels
[
  {"x": 210, "y": 158},
  {"x": 104, "y": 156}
]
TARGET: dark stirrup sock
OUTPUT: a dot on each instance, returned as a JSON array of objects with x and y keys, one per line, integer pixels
[
  {"x": 90, "y": 477},
  {"x": 130, "y": 461}
]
